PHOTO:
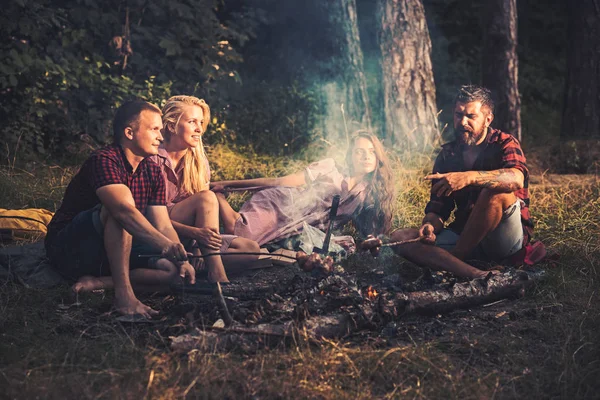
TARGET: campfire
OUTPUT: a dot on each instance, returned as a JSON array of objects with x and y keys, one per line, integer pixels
[
  {"x": 326, "y": 301},
  {"x": 319, "y": 297},
  {"x": 372, "y": 293}
]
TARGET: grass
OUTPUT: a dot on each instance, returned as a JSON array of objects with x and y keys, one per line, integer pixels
[{"x": 545, "y": 345}]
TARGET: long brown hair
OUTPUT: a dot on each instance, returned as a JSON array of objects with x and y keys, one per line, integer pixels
[
  {"x": 380, "y": 191},
  {"x": 195, "y": 174}
]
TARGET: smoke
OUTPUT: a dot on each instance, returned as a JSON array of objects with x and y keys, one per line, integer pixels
[{"x": 335, "y": 127}]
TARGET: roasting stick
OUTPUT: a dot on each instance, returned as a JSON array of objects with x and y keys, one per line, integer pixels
[
  {"x": 256, "y": 253},
  {"x": 247, "y": 188},
  {"x": 222, "y": 306},
  {"x": 374, "y": 243},
  {"x": 241, "y": 253},
  {"x": 415, "y": 240}
]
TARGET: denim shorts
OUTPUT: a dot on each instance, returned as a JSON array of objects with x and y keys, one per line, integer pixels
[
  {"x": 78, "y": 249},
  {"x": 499, "y": 244}
]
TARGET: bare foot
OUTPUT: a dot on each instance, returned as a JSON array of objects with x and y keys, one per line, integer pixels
[
  {"x": 132, "y": 306},
  {"x": 88, "y": 283},
  {"x": 483, "y": 274}
]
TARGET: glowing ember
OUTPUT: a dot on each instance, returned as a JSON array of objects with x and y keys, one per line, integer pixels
[{"x": 372, "y": 293}]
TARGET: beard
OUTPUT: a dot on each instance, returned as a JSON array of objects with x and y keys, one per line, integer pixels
[{"x": 467, "y": 137}]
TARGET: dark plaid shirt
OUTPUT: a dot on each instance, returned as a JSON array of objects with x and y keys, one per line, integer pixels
[
  {"x": 500, "y": 150},
  {"x": 109, "y": 166}
]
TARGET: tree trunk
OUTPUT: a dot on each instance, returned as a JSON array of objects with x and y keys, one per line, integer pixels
[
  {"x": 500, "y": 66},
  {"x": 408, "y": 84},
  {"x": 349, "y": 86},
  {"x": 581, "y": 114}
]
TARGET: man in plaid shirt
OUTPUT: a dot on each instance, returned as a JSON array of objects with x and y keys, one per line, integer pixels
[
  {"x": 115, "y": 209},
  {"x": 482, "y": 175}
]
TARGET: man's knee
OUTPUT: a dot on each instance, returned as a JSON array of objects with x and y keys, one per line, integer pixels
[
  {"x": 105, "y": 214},
  {"x": 493, "y": 198},
  {"x": 165, "y": 265}
]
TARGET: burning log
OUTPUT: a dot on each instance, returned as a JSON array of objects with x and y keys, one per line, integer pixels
[{"x": 372, "y": 293}]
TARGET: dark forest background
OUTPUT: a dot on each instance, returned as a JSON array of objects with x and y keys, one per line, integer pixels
[{"x": 271, "y": 70}]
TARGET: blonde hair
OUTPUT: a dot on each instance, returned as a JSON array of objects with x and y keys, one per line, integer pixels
[{"x": 195, "y": 171}]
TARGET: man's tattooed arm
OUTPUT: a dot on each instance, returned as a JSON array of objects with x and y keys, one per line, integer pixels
[{"x": 500, "y": 180}]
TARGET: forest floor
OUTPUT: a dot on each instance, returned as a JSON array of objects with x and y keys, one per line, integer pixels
[{"x": 544, "y": 345}]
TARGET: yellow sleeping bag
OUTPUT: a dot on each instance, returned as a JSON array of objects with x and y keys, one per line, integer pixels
[{"x": 30, "y": 223}]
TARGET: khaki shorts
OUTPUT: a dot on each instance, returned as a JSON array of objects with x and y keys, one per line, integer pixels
[{"x": 499, "y": 244}]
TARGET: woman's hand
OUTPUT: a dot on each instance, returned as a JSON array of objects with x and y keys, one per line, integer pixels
[
  {"x": 208, "y": 238},
  {"x": 219, "y": 187}
]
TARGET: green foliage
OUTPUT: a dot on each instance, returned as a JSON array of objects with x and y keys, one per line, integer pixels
[
  {"x": 272, "y": 119},
  {"x": 68, "y": 64}
]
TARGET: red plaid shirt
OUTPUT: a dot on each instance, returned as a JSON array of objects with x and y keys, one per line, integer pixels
[
  {"x": 500, "y": 150},
  {"x": 109, "y": 166}
]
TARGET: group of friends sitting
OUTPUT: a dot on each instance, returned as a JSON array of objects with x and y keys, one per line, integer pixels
[{"x": 138, "y": 208}]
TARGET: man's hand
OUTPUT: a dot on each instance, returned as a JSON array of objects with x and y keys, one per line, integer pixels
[
  {"x": 174, "y": 252},
  {"x": 186, "y": 269},
  {"x": 208, "y": 238},
  {"x": 197, "y": 262},
  {"x": 427, "y": 233},
  {"x": 450, "y": 182}
]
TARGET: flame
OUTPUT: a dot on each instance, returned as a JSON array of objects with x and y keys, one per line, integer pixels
[{"x": 372, "y": 293}]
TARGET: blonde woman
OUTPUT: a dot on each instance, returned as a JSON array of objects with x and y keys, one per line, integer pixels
[
  {"x": 194, "y": 210},
  {"x": 365, "y": 186}
]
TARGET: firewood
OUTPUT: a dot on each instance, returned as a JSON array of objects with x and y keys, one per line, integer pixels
[{"x": 459, "y": 295}]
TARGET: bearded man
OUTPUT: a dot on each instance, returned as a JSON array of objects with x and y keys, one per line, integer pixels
[{"x": 482, "y": 176}]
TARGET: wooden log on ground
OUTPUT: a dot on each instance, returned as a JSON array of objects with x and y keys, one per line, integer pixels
[
  {"x": 388, "y": 307},
  {"x": 458, "y": 296},
  {"x": 330, "y": 326}
]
